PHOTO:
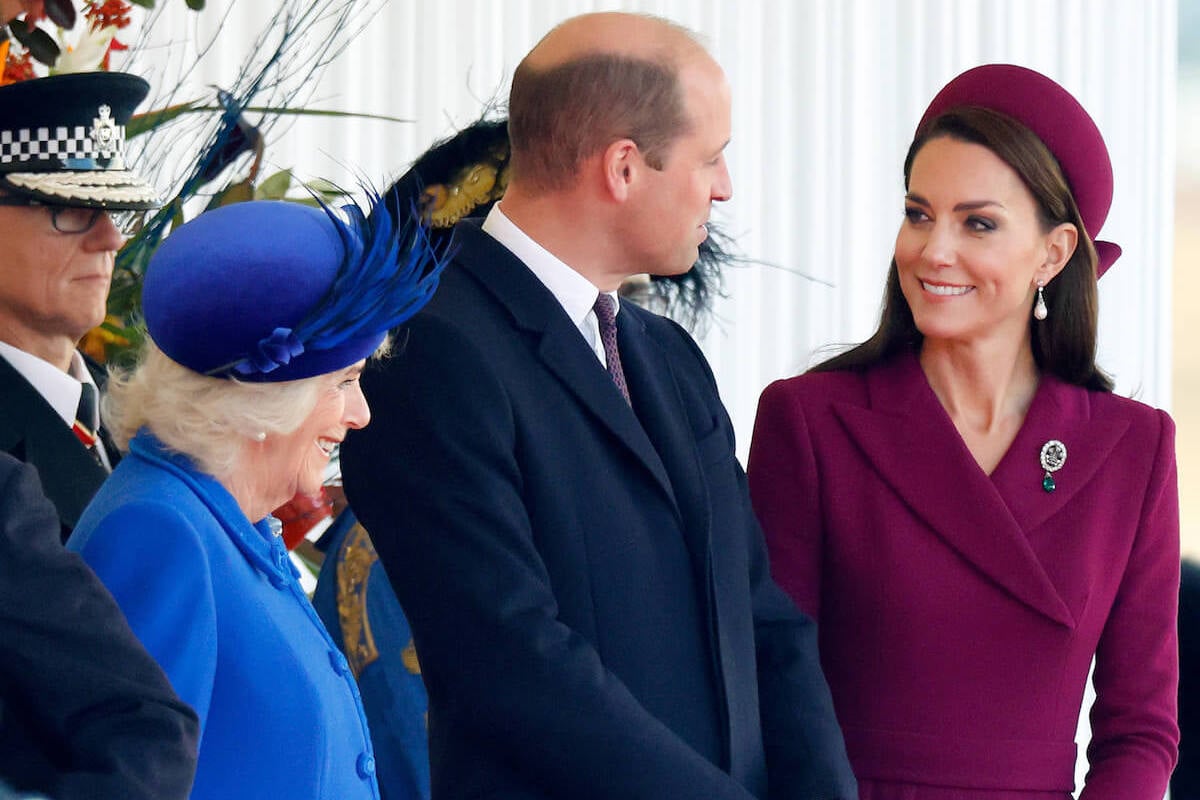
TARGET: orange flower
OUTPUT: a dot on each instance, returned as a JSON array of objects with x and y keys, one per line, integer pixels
[
  {"x": 109, "y": 13},
  {"x": 98, "y": 340},
  {"x": 17, "y": 67}
]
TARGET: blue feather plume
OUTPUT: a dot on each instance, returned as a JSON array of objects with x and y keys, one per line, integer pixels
[{"x": 386, "y": 276}]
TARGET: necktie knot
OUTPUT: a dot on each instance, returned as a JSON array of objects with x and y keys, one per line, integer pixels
[
  {"x": 606, "y": 316},
  {"x": 606, "y": 312}
]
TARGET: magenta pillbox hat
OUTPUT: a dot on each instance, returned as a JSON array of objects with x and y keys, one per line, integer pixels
[{"x": 1056, "y": 118}]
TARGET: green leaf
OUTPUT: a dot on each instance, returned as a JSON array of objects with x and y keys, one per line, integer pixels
[
  {"x": 149, "y": 120},
  {"x": 118, "y": 330},
  {"x": 195, "y": 5},
  {"x": 305, "y": 201},
  {"x": 124, "y": 355},
  {"x": 39, "y": 43},
  {"x": 275, "y": 187},
  {"x": 143, "y": 3},
  {"x": 176, "y": 213},
  {"x": 234, "y": 193},
  {"x": 326, "y": 189},
  {"x": 317, "y": 112},
  {"x": 192, "y": 108}
]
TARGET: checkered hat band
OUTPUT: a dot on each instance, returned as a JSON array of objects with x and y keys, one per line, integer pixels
[{"x": 60, "y": 144}]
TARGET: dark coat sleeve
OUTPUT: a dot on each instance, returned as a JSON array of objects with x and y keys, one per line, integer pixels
[
  {"x": 805, "y": 751},
  {"x": 84, "y": 710},
  {"x": 802, "y": 741},
  {"x": 1185, "y": 782}
]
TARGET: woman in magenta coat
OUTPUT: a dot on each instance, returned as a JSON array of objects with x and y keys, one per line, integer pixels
[{"x": 962, "y": 503}]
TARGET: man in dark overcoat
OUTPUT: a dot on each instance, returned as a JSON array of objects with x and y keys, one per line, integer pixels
[{"x": 550, "y": 480}]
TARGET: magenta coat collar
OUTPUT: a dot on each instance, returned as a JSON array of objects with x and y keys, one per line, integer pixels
[{"x": 903, "y": 435}]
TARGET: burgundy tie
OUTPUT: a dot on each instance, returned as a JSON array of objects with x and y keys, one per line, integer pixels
[{"x": 607, "y": 317}]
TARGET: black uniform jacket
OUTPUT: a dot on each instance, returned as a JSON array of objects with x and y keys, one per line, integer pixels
[
  {"x": 85, "y": 712},
  {"x": 31, "y": 431}
]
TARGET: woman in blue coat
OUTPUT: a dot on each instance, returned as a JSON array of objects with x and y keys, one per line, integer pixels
[{"x": 260, "y": 316}]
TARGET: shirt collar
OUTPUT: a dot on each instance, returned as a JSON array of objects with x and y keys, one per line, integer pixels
[
  {"x": 59, "y": 389},
  {"x": 575, "y": 293}
]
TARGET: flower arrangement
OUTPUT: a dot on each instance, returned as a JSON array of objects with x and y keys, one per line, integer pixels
[
  {"x": 29, "y": 49},
  {"x": 205, "y": 150}
]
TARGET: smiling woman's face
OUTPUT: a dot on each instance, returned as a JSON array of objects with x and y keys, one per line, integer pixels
[
  {"x": 971, "y": 246},
  {"x": 297, "y": 460}
]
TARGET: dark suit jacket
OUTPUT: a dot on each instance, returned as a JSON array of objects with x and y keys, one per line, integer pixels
[
  {"x": 587, "y": 588},
  {"x": 31, "y": 431},
  {"x": 84, "y": 711},
  {"x": 959, "y": 611},
  {"x": 1185, "y": 782}
]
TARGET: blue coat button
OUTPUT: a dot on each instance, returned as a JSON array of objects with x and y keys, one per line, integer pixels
[
  {"x": 340, "y": 665},
  {"x": 366, "y": 765}
]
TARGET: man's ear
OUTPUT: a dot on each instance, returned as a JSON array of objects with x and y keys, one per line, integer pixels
[{"x": 621, "y": 163}]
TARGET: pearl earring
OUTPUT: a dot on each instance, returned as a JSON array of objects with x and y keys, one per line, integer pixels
[
  {"x": 259, "y": 436},
  {"x": 1040, "y": 311}
]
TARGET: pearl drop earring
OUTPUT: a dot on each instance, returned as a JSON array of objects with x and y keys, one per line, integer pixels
[
  {"x": 1040, "y": 311},
  {"x": 260, "y": 436}
]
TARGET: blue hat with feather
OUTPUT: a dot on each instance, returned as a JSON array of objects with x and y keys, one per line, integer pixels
[{"x": 268, "y": 291}]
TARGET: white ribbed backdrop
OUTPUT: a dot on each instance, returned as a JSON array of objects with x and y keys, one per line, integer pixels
[{"x": 826, "y": 95}]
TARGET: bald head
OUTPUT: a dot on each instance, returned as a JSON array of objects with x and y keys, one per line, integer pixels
[
  {"x": 636, "y": 36},
  {"x": 593, "y": 80}
]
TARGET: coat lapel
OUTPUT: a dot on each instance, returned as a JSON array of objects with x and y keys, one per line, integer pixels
[
  {"x": 31, "y": 431},
  {"x": 656, "y": 400},
  {"x": 1062, "y": 412},
  {"x": 663, "y": 412},
  {"x": 557, "y": 343},
  {"x": 911, "y": 442}
]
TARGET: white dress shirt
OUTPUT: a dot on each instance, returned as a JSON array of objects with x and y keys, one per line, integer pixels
[
  {"x": 575, "y": 293},
  {"x": 61, "y": 390}
]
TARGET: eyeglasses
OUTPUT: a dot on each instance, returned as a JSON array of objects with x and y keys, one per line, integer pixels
[{"x": 74, "y": 219}]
